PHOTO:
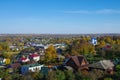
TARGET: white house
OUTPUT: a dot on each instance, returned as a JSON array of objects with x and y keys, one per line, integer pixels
[
  {"x": 31, "y": 68},
  {"x": 35, "y": 68}
]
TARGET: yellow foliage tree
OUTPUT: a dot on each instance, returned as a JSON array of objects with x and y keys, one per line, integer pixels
[
  {"x": 7, "y": 61},
  {"x": 82, "y": 47},
  {"x": 1, "y": 48},
  {"x": 51, "y": 54}
]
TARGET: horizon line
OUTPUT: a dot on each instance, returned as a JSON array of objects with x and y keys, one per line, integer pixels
[{"x": 55, "y": 33}]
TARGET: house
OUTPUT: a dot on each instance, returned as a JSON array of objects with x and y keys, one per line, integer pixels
[
  {"x": 93, "y": 41},
  {"x": 62, "y": 46},
  {"x": 106, "y": 65},
  {"x": 14, "y": 48},
  {"x": 35, "y": 56},
  {"x": 76, "y": 62},
  {"x": 40, "y": 49},
  {"x": 59, "y": 51},
  {"x": 24, "y": 59},
  {"x": 31, "y": 68}
]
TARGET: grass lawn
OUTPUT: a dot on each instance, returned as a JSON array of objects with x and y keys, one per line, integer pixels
[{"x": 12, "y": 52}]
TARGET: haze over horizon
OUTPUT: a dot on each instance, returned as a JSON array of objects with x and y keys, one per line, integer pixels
[{"x": 59, "y": 16}]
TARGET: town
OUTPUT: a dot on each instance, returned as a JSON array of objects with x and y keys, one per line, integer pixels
[{"x": 57, "y": 57}]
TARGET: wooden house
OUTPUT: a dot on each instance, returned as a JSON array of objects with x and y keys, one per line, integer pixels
[{"x": 76, "y": 62}]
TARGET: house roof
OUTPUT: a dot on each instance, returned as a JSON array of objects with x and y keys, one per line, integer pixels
[
  {"x": 23, "y": 58},
  {"x": 32, "y": 65},
  {"x": 104, "y": 64},
  {"x": 77, "y": 59},
  {"x": 34, "y": 55},
  {"x": 107, "y": 47}
]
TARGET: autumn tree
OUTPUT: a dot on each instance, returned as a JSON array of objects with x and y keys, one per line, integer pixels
[
  {"x": 108, "y": 39},
  {"x": 82, "y": 47},
  {"x": 4, "y": 46},
  {"x": 51, "y": 75},
  {"x": 37, "y": 75},
  {"x": 50, "y": 54},
  {"x": 1, "y": 48}
]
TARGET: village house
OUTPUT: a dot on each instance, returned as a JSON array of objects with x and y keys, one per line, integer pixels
[
  {"x": 105, "y": 65},
  {"x": 14, "y": 48},
  {"x": 24, "y": 59},
  {"x": 31, "y": 68},
  {"x": 40, "y": 50},
  {"x": 62, "y": 46},
  {"x": 29, "y": 57},
  {"x": 76, "y": 62},
  {"x": 35, "y": 56}
]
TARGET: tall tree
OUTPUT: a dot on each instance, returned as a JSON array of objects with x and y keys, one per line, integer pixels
[
  {"x": 50, "y": 54},
  {"x": 82, "y": 47}
]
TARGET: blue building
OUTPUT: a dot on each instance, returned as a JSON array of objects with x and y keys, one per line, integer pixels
[{"x": 94, "y": 41}]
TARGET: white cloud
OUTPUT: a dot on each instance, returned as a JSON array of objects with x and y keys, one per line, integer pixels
[
  {"x": 108, "y": 11},
  {"x": 102, "y": 11}
]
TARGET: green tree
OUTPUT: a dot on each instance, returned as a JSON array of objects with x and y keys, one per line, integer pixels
[
  {"x": 69, "y": 75},
  {"x": 4, "y": 74},
  {"x": 108, "y": 79},
  {"x": 16, "y": 76},
  {"x": 60, "y": 75},
  {"x": 78, "y": 76},
  {"x": 118, "y": 68}
]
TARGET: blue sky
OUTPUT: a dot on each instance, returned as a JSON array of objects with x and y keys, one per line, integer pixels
[{"x": 60, "y": 16}]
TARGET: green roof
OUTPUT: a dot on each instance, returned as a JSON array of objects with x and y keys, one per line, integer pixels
[{"x": 31, "y": 65}]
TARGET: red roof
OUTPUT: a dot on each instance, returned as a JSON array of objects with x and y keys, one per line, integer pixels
[
  {"x": 23, "y": 58},
  {"x": 107, "y": 47},
  {"x": 34, "y": 55}
]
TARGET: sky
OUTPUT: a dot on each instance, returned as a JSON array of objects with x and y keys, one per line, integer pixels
[{"x": 59, "y": 16}]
